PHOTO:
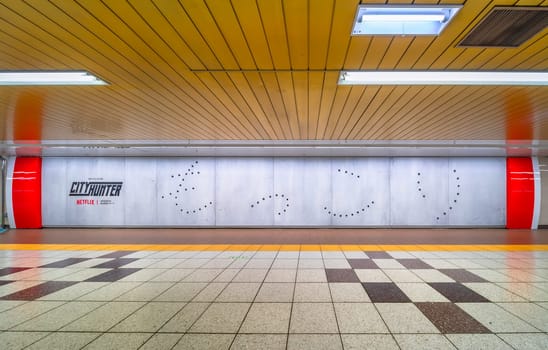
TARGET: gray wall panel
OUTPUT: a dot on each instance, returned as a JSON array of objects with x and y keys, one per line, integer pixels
[
  {"x": 305, "y": 185},
  {"x": 242, "y": 191},
  {"x": 477, "y": 191},
  {"x": 106, "y": 211},
  {"x": 186, "y": 191},
  {"x": 360, "y": 188},
  {"x": 54, "y": 200},
  {"x": 140, "y": 192},
  {"x": 419, "y": 191},
  {"x": 243, "y": 187}
]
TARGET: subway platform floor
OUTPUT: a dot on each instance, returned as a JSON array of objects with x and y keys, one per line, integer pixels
[{"x": 333, "y": 290}]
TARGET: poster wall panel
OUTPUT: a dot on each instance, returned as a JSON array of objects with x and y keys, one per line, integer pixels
[
  {"x": 96, "y": 191},
  {"x": 477, "y": 191},
  {"x": 186, "y": 191},
  {"x": 140, "y": 191},
  {"x": 302, "y": 191},
  {"x": 55, "y": 191},
  {"x": 255, "y": 191},
  {"x": 419, "y": 193},
  {"x": 360, "y": 191},
  {"x": 242, "y": 189}
]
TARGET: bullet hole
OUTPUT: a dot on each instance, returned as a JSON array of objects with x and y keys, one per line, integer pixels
[
  {"x": 423, "y": 196},
  {"x": 437, "y": 218},
  {"x": 351, "y": 214},
  {"x": 162, "y": 196},
  {"x": 339, "y": 170},
  {"x": 454, "y": 170},
  {"x": 270, "y": 196},
  {"x": 419, "y": 174},
  {"x": 324, "y": 208},
  {"x": 420, "y": 189},
  {"x": 172, "y": 176},
  {"x": 257, "y": 202},
  {"x": 263, "y": 198},
  {"x": 282, "y": 195},
  {"x": 287, "y": 205},
  {"x": 200, "y": 209},
  {"x": 251, "y": 205},
  {"x": 444, "y": 213},
  {"x": 210, "y": 202}
]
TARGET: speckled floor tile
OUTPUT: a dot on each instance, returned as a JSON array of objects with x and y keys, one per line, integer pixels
[
  {"x": 414, "y": 264},
  {"x": 421, "y": 292},
  {"x": 204, "y": 342},
  {"x": 533, "y": 314},
  {"x": 449, "y": 318},
  {"x": 149, "y": 318},
  {"x": 313, "y": 318},
  {"x": 477, "y": 342},
  {"x": 526, "y": 290},
  {"x": 371, "y": 275},
  {"x": 267, "y": 318},
  {"x": 221, "y": 318},
  {"x": 341, "y": 275},
  {"x": 239, "y": 292},
  {"x": 104, "y": 317},
  {"x": 58, "y": 317},
  {"x": 458, "y": 293},
  {"x": 385, "y": 293},
  {"x": 369, "y": 342},
  {"x": 526, "y": 341},
  {"x": 281, "y": 275},
  {"x": 64, "y": 341},
  {"x": 311, "y": 275},
  {"x": 276, "y": 292},
  {"x": 336, "y": 264},
  {"x": 20, "y": 340},
  {"x": 161, "y": 342},
  {"x": 348, "y": 292},
  {"x": 359, "y": 318},
  {"x": 109, "y": 291},
  {"x": 24, "y": 312},
  {"x": 495, "y": 318},
  {"x": 182, "y": 292},
  {"x": 362, "y": 264},
  {"x": 462, "y": 275},
  {"x": 250, "y": 275},
  {"x": 493, "y": 293},
  {"x": 118, "y": 341},
  {"x": 378, "y": 255},
  {"x": 145, "y": 292},
  {"x": 405, "y": 318},
  {"x": 259, "y": 341},
  {"x": 312, "y": 292},
  {"x": 314, "y": 342},
  {"x": 185, "y": 318},
  {"x": 423, "y": 341}
]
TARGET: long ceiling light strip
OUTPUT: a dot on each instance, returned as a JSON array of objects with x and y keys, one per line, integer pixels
[
  {"x": 25, "y": 78},
  {"x": 403, "y": 20},
  {"x": 442, "y": 78}
]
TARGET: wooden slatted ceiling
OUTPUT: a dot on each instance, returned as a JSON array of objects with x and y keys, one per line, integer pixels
[{"x": 255, "y": 69}]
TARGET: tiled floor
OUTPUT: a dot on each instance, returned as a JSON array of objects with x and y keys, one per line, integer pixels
[{"x": 284, "y": 297}]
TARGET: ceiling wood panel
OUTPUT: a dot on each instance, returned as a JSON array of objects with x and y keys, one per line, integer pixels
[{"x": 256, "y": 70}]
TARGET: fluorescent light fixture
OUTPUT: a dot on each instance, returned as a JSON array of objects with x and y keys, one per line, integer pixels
[
  {"x": 14, "y": 78},
  {"x": 442, "y": 78},
  {"x": 402, "y": 20}
]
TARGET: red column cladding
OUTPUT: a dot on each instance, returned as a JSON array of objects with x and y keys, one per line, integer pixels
[
  {"x": 27, "y": 192},
  {"x": 520, "y": 193}
]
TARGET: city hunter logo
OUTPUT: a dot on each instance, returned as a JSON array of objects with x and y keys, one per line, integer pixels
[{"x": 96, "y": 189}]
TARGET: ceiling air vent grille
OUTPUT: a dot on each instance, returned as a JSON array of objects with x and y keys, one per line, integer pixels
[{"x": 507, "y": 27}]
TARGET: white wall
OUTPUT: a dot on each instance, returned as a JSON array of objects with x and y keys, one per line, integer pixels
[{"x": 293, "y": 191}]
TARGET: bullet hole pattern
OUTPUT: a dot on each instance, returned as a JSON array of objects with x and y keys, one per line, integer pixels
[
  {"x": 453, "y": 200},
  {"x": 359, "y": 211},
  {"x": 183, "y": 187},
  {"x": 281, "y": 199}
]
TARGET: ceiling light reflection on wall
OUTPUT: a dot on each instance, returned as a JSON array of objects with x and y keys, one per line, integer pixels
[
  {"x": 402, "y": 20},
  {"x": 442, "y": 78},
  {"x": 23, "y": 78}
]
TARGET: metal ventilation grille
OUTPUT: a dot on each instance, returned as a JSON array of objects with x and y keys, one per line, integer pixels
[{"x": 507, "y": 27}]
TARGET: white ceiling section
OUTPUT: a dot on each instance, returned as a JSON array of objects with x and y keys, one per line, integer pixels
[{"x": 262, "y": 74}]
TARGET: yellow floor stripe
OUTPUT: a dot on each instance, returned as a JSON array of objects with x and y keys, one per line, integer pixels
[{"x": 281, "y": 247}]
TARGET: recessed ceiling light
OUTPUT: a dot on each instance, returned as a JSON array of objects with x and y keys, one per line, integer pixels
[
  {"x": 402, "y": 20},
  {"x": 49, "y": 78},
  {"x": 442, "y": 78}
]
